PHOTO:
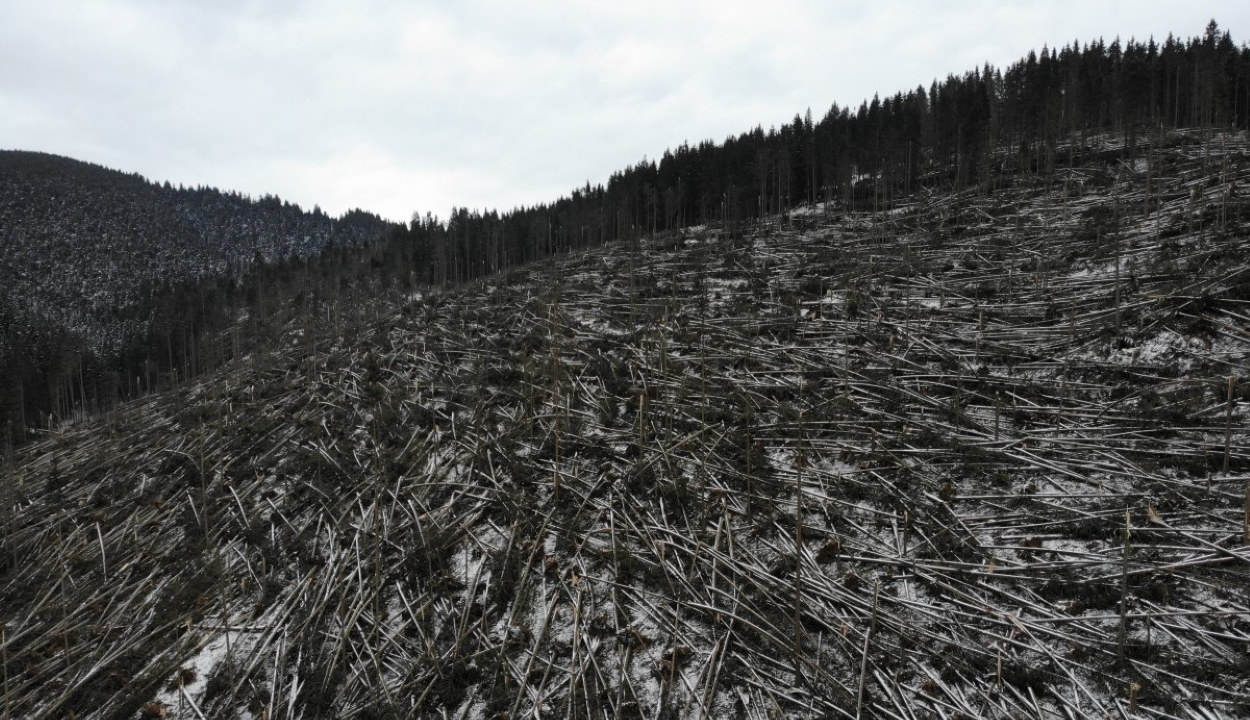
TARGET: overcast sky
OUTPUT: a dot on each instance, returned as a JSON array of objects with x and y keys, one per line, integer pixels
[{"x": 398, "y": 106}]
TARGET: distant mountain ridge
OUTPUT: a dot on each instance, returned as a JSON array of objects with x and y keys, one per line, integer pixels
[
  {"x": 73, "y": 231},
  {"x": 97, "y": 266}
]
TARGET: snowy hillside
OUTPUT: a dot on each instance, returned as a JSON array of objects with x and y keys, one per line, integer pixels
[{"x": 982, "y": 455}]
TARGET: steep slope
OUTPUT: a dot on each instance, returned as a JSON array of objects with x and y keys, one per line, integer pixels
[{"x": 845, "y": 464}]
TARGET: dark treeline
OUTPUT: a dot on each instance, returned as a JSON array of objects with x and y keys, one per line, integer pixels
[
  {"x": 51, "y": 374},
  {"x": 961, "y": 132}
]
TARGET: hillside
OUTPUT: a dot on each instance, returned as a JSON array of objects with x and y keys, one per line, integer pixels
[
  {"x": 99, "y": 266},
  {"x": 837, "y": 464},
  {"x": 76, "y": 231}
]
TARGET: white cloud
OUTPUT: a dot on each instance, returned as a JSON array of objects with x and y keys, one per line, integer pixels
[{"x": 400, "y": 106}]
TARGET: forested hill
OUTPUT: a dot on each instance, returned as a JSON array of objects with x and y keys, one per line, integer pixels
[
  {"x": 960, "y": 132},
  {"x": 84, "y": 246},
  {"x": 93, "y": 260}
]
